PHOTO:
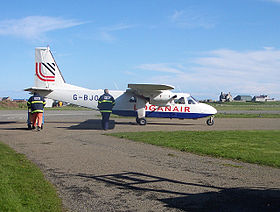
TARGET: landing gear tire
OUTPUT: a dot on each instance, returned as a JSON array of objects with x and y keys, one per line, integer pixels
[
  {"x": 210, "y": 121},
  {"x": 141, "y": 121}
]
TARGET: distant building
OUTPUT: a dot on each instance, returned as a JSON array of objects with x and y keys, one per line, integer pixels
[
  {"x": 7, "y": 98},
  {"x": 226, "y": 97},
  {"x": 262, "y": 98},
  {"x": 206, "y": 100},
  {"x": 244, "y": 98}
]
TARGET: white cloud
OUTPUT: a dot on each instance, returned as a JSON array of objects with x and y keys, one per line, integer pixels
[
  {"x": 250, "y": 72},
  {"x": 192, "y": 18},
  {"x": 277, "y": 1},
  {"x": 106, "y": 33},
  {"x": 116, "y": 27},
  {"x": 33, "y": 27},
  {"x": 160, "y": 67},
  {"x": 255, "y": 65}
]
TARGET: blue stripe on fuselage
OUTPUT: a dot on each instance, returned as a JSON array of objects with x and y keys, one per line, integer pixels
[{"x": 156, "y": 114}]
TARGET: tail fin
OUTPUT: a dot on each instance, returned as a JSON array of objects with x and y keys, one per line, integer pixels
[{"x": 47, "y": 73}]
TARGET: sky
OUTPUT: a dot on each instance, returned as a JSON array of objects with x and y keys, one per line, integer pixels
[{"x": 201, "y": 47}]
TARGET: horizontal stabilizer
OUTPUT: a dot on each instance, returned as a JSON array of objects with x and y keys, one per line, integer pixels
[{"x": 34, "y": 89}]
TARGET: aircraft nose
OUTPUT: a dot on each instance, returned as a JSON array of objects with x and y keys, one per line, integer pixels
[
  {"x": 212, "y": 110},
  {"x": 209, "y": 109}
]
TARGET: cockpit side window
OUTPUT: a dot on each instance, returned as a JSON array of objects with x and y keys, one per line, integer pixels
[
  {"x": 179, "y": 101},
  {"x": 191, "y": 100}
]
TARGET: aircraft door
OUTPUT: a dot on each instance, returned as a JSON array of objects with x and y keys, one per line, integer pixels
[
  {"x": 140, "y": 107},
  {"x": 179, "y": 102}
]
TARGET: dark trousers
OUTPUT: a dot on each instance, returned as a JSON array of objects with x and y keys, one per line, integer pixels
[{"x": 105, "y": 120}]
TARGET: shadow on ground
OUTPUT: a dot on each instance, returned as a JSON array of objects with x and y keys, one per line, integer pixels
[
  {"x": 7, "y": 122},
  {"x": 224, "y": 199},
  {"x": 91, "y": 124},
  {"x": 231, "y": 199},
  {"x": 95, "y": 124},
  {"x": 13, "y": 128}
]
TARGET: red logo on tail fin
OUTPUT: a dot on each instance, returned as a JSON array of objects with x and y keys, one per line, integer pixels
[{"x": 41, "y": 76}]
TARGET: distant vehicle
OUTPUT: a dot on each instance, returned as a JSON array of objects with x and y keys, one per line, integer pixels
[{"x": 139, "y": 100}]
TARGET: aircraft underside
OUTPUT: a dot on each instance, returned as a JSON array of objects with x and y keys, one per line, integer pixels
[{"x": 156, "y": 114}]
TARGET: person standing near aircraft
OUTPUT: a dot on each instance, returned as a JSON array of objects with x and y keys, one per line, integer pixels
[
  {"x": 36, "y": 103},
  {"x": 106, "y": 103}
]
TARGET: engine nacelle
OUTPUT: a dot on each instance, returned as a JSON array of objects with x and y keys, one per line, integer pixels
[{"x": 163, "y": 99}]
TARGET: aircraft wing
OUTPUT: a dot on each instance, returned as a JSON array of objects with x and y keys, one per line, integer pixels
[{"x": 149, "y": 90}]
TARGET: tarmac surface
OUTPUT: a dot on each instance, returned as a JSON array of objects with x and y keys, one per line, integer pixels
[{"x": 96, "y": 172}]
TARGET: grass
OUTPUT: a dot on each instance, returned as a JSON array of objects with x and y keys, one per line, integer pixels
[
  {"x": 16, "y": 106},
  {"x": 69, "y": 107},
  {"x": 260, "y": 147},
  {"x": 262, "y": 106},
  {"x": 242, "y": 115},
  {"x": 22, "y": 185},
  {"x": 23, "y": 106}
]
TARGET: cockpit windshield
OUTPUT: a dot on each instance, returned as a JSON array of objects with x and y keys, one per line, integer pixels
[{"x": 185, "y": 100}]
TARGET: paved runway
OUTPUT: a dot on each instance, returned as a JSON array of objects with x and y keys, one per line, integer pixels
[{"x": 95, "y": 172}]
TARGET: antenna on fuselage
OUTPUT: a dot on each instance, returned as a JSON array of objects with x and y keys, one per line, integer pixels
[
  {"x": 116, "y": 86},
  {"x": 179, "y": 89}
]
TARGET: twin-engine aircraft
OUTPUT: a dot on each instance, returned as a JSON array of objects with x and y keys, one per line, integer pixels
[{"x": 139, "y": 100}]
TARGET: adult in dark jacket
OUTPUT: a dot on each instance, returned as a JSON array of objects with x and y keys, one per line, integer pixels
[
  {"x": 36, "y": 103},
  {"x": 105, "y": 104}
]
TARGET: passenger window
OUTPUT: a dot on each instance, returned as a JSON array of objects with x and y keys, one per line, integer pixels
[
  {"x": 179, "y": 101},
  {"x": 132, "y": 99}
]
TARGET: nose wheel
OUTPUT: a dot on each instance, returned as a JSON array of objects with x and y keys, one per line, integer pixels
[
  {"x": 210, "y": 121},
  {"x": 141, "y": 121}
]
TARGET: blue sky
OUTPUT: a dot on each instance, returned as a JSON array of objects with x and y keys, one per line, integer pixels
[{"x": 200, "y": 47}]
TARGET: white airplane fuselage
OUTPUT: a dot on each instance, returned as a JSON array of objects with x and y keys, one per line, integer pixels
[
  {"x": 124, "y": 107},
  {"x": 139, "y": 100}
]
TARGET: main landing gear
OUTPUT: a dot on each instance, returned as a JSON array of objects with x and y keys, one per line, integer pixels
[
  {"x": 210, "y": 121},
  {"x": 141, "y": 121}
]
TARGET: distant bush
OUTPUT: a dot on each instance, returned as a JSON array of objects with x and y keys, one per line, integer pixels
[{"x": 6, "y": 105}]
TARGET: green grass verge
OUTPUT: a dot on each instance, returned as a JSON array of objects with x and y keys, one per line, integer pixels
[
  {"x": 22, "y": 185},
  {"x": 23, "y": 107},
  {"x": 267, "y": 106},
  {"x": 260, "y": 147},
  {"x": 231, "y": 115}
]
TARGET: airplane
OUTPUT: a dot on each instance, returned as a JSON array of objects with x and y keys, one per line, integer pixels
[{"x": 139, "y": 100}]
